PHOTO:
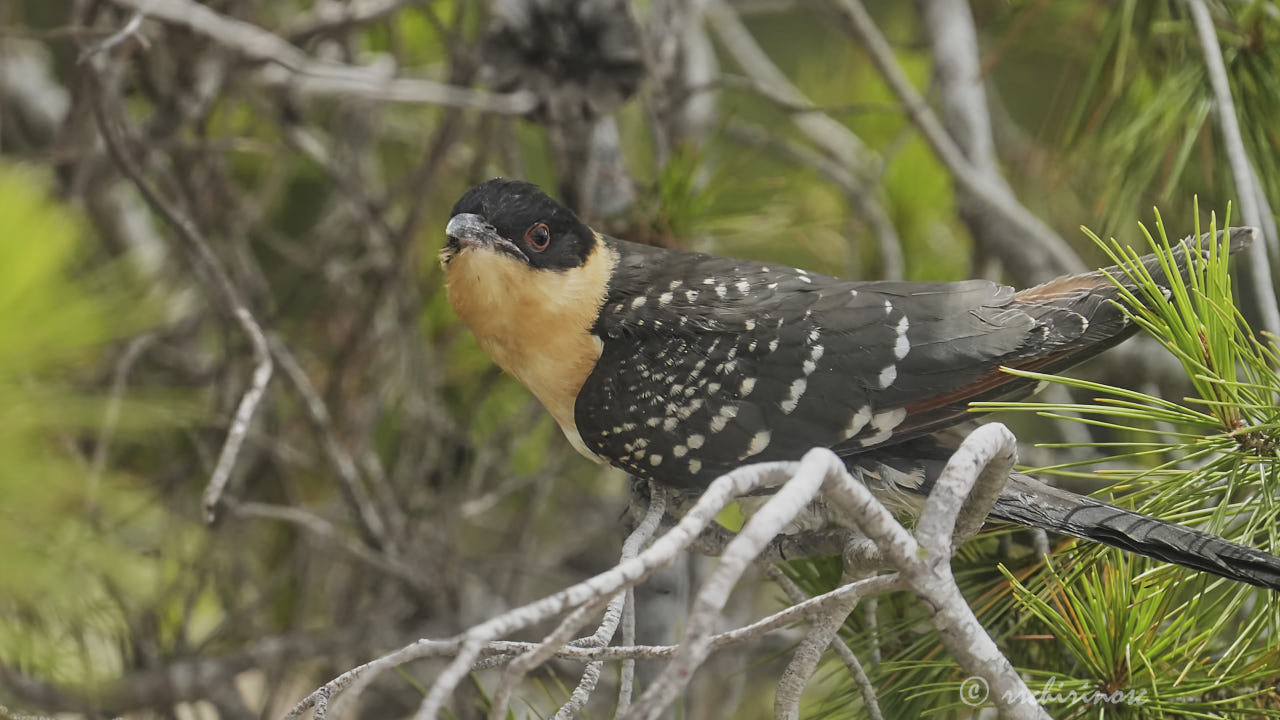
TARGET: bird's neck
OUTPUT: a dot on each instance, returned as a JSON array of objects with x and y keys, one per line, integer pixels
[{"x": 535, "y": 324}]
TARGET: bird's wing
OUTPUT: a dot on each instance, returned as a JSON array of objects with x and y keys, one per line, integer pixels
[{"x": 725, "y": 362}]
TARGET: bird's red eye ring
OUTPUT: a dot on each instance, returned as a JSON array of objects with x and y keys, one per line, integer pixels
[{"x": 538, "y": 237}]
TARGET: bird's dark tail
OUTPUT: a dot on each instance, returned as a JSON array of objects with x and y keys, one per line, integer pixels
[
  {"x": 1079, "y": 312},
  {"x": 902, "y": 475},
  {"x": 1027, "y": 501}
]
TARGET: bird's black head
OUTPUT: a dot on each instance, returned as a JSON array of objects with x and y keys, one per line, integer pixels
[{"x": 518, "y": 220}]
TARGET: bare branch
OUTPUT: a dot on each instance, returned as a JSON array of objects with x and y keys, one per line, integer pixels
[
  {"x": 856, "y": 167},
  {"x": 360, "y": 503},
  {"x": 294, "y": 69},
  {"x": 963, "y": 494},
  {"x": 1253, "y": 201},
  {"x": 471, "y": 644},
  {"x": 929, "y": 576},
  {"x": 781, "y": 509},
  {"x": 617, "y": 607},
  {"x": 870, "y": 702},
  {"x": 223, "y": 288},
  {"x": 1027, "y": 260}
]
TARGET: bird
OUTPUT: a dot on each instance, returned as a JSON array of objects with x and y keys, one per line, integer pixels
[{"x": 678, "y": 367}]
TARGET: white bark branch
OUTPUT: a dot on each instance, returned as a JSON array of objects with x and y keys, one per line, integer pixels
[
  {"x": 1253, "y": 201},
  {"x": 961, "y": 496}
]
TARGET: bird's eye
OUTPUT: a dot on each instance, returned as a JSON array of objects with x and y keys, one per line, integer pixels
[{"x": 538, "y": 237}]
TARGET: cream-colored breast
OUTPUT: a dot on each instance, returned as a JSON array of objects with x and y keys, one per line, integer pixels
[{"x": 535, "y": 324}]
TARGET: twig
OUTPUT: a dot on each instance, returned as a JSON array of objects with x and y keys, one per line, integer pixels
[
  {"x": 328, "y": 17},
  {"x": 326, "y": 530},
  {"x": 857, "y": 166},
  {"x": 294, "y": 69},
  {"x": 112, "y": 40},
  {"x": 362, "y": 506},
  {"x": 870, "y": 702},
  {"x": 965, "y": 112},
  {"x": 617, "y": 606},
  {"x": 543, "y": 652},
  {"x": 963, "y": 494},
  {"x": 223, "y": 289},
  {"x": 471, "y": 644},
  {"x": 929, "y": 575},
  {"x": 1253, "y": 202},
  {"x": 858, "y": 196},
  {"x": 1040, "y": 243},
  {"x": 780, "y": 510}
]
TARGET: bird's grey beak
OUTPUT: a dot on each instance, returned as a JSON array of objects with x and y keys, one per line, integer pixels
[{"x": 468, "y": 230}]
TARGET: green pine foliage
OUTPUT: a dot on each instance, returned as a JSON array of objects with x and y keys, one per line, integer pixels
[
  {"x": 1091, "y": 620},
  {"x": 71, "y": 534}
]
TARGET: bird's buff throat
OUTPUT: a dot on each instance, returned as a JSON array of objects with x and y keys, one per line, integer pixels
[{"x": 535, "y": 324}]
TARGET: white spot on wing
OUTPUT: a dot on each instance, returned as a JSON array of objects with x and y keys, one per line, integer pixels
[
  {"x": 655, "y": 460},
  {"x": 884, "y": 423},
  {"x": 665, "y": 298},
  {"x": 695, "y": 441},
  {"x": 727, "y": 413},
  {"x": 902, "y": 346},
  {"x": 695, "y": 466},
  {"x": 679, "y": 451},
  {"x": 797, "y": 390},
  {"x": 722, "y": 291},
  {"x": 743, "y": 286},
  {"x": 638, "y": 302},
  {"x": 858, "y": 421},
  {"x": 750, "y": 324},
  {"x": 747, "y": 386},
  {"x": 759, "y": 442},
  {"x": 888, "y": 375}
]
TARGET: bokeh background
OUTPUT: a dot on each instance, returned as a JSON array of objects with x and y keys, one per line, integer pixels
[{"x": 164, "y": 172}]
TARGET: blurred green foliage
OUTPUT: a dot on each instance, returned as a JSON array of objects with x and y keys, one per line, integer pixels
[{"x": 69, "y": 530}]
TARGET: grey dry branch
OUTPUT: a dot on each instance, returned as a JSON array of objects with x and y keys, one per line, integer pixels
[
  {"x": 1253, "y": 201},
  {"x": 856, "y": 166},
  {"x": 961, "y": 497},
  {"x": 224, "y": 290},
  {"x": 1026, "y": 259},
  {"x": 292, "y": 68}
]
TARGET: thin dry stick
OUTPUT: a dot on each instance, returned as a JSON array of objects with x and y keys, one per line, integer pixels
[
  {"x": 361, "y": 504},
  {"x": 224, "y": 290},
  {"x": 471, "y": 645},
  {"x": 780, "y": 510},
  {"x": 857, "y": 166},
  {"x": 294, "y": 69},
  {"x": 1061, "y": 258},
  {"x": 1253, "y": 202},
  {"x": 617, "y": 606},
  {"x": 544, "y": 651},
  {"x": 830, "y": 624}
]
